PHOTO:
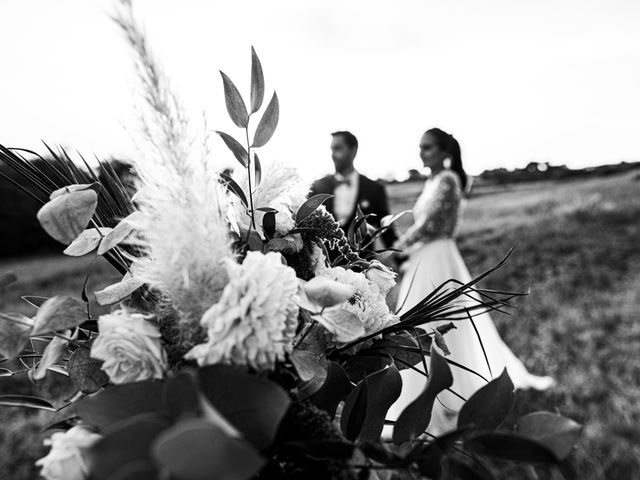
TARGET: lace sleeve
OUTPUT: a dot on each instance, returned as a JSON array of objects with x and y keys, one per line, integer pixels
[{"x": 441, "y": 216}]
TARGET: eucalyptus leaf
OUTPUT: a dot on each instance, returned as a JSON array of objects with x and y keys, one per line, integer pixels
[
  {"x": 489, "y": 405},
  {"x": 236, "y": 148},
  {"x": 119, "y": 402},
  {"x": 79, "y": 187},
  {"x": 86, "y": 242},
  {"x": 414, "y": 419},
  {"x": 257, "y": 82},
  {"x": 121, "y": 231},
  {"x": 52, "y": 353},
  {"x": 255, "y": 406},
  {"x": 59, "y": 313},
  {"x": 268, "y": 123},
  {"x": 85, "y": 371},
  {"x": 15, "y": 330},
  {"x": 383, "y": 389},
  {"x": 509, "y": 446},
  {"x": 194, "y": 449},
  {"x": 309, "y": 365},
  {"x": 235, "y": 104},
  {"x": 559, "y": 434},
  {"x": 118, "y": 291},
  {"x": 354, "y": 411},
  {"x": 126, "y": 444},
  {"x": 68, "y": 214}
]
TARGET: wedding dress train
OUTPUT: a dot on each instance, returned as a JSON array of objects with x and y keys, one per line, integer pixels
[{"x": 434, "y": 259}]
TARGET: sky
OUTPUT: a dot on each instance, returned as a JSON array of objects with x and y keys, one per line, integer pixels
[{"x": 514, "y": 81}]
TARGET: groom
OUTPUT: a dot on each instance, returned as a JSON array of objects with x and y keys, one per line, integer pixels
[{"x": 350, "y": 188}]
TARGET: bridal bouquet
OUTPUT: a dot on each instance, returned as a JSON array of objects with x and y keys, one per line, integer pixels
[{"x": 249, "y": 336}]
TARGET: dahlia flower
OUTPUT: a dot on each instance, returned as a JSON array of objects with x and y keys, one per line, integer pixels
[{"x": 255, "y": 320}]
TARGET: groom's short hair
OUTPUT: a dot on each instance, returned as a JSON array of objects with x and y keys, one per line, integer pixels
[{"x": 349, "y": 138}]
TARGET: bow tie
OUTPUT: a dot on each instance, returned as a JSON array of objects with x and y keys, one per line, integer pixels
[{"x": 342, "y": 181}]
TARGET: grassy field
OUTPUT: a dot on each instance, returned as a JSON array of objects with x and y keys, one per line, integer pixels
[{"x": 577, "y": 249}]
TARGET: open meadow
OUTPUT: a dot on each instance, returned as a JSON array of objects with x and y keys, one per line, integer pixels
[{"x": 577, "y": 248}]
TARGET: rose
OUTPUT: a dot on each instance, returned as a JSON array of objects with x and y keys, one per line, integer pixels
[
  {"x": 325, "y": 292},
  {"x": 382, "y": 276},
  {"x": 129, "y": 344},
  {"x": 65, "y": 460}
]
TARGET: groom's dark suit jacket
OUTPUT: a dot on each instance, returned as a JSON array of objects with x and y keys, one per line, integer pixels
[{"x": 371, "y": 197}]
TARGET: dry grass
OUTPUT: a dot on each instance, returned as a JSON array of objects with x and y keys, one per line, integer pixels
[{"x": 576, "y": 248}]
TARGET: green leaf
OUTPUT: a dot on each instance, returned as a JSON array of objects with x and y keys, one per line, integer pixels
[
  {"x": 79, "y": 187},
  {"x": 124, "y": 446},
  {"x": 310, "y": 206},
  {"x": 236, "y": 148},
  {"x": 68, "y": 214},
  {"x": 59, "y": 313},
  {"x": 119, "y": 402},
  {"x": 235, "y": 104},
  {"x": 258, "y": 169},
  {"x": 194, "y": 449},
  {"x": 233, "y": 187},
  {"x": 255, "y": 406},
  {"x": 309, "y": 365},
  {"x": 86, "y": 372},
  {"x": 7, "y": 279},
  {"x": 121, "y": 231},
  {"x": 118, "y": 291},
  {"x": 322, "y": 449},
  {"x": 508, "y": 446},
  {"x": 257, "y": 82},
  {"x": 15, "y": 330},
  {"x": 559, "y": 434},
  {"x": 52, "y": 353},
  {"x": 383, "y": 389},
  {"x": 414, "y": 419},
  {"x": 268, "y": 123},
  {"x": 335, "y": 388},
  {"x": 181, "y": 396},
  {"x": 269, "y": 224},
  {"x": 489, "y": 406},
  {"x": 26, "y": 402},
  {"x": 86, "y": 242},
  {"x": 464, "y": 467},
  {"x": 354, "y": 411}
]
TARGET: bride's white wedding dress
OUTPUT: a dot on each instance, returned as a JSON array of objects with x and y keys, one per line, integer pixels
[{"x": 434, "y": 259}]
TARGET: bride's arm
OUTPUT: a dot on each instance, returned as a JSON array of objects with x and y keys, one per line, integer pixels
[{"x": 441, "y": 215}]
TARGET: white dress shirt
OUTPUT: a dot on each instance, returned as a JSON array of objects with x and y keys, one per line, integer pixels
[{"x": 344, "y": 203}]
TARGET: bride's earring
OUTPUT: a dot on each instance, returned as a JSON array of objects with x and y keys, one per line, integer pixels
[{"x": 446, "y": 164}]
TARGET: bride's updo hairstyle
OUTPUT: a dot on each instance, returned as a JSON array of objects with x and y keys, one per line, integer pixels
[{"x": 451, "y": 147}]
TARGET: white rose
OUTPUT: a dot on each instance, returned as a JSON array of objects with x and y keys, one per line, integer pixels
[
  {"x": 65, "y": 460},
  {"x": 325, "y": 292},
  {"x": 382, "y": 276},
  {"x": 130, "y": 347}
]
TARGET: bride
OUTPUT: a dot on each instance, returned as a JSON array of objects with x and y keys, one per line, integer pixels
[{"x": 433, "y": 259}]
